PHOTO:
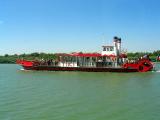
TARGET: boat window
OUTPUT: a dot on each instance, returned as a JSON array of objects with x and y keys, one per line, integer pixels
[
  {"x": 107, "y": 49},
  {"x": 104, "y": 49},
  {"x": 111, "y": 49}
]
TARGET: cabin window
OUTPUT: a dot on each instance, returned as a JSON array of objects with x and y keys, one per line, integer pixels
[
  {"x": 104, "y": 49},
  {"x": 107, "y": 49},
  {"x": 111, "y": 49}
]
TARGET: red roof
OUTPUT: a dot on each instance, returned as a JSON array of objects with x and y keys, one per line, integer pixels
[
  {"x": 109, "y": 55},
  {"x": 90, "y": 55},
  {"x": 86, "y": 54}
]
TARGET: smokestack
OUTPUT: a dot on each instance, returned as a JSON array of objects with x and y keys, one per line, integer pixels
[
  {"x": 117, "y": 44},
  {"x": 115, "y": 38}
]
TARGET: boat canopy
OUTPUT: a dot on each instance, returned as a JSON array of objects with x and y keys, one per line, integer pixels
[
  {"x": 79, "y": 54},
  {"x": 86, "y": 54}
]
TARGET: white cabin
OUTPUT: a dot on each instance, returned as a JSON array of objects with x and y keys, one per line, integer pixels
[{"x": 112, "y": 50}]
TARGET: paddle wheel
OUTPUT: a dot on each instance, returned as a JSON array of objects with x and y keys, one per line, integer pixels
[{"x": 142, "y": 65}]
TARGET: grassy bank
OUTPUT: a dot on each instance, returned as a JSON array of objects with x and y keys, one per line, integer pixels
[{"x": 11, "y": 59}]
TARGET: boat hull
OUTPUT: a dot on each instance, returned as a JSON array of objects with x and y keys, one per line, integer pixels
[{"x": 83, "y": 69}]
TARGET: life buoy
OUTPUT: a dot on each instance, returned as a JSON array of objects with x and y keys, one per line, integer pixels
[
  {"x": 144, "y": 66},
  {"x": 125, "y": 66}
]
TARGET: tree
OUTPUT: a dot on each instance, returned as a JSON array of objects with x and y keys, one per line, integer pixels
[{"x": 6, "y": 55}]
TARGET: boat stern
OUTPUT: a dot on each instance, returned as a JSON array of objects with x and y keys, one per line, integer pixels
[{"x": 24, "y": 63}]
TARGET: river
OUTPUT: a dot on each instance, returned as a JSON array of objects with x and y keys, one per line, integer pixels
[{"x": 40, "y": 95}]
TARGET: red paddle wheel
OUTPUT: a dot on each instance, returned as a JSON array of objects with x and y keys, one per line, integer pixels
[{"x": 142, "y": 65}]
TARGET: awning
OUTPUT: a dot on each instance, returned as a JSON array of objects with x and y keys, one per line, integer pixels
[
  {"x": 86, "y": 54},
  {"x": 109, "y": 55},
  {"x": 79, "y": 54}
]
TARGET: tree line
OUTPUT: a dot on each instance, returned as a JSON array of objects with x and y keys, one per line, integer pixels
[
  {"x": 11, "y": 59},
  {"x": 32, "y": 56}
]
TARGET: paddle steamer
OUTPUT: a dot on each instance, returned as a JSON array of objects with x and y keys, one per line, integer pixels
[{"x": 111, "y": 59}]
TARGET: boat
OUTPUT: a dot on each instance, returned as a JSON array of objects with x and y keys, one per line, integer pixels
[{"x": 111, "y": 59}]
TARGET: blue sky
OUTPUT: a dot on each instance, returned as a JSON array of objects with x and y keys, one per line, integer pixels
[{"x": 78, "y": 25}]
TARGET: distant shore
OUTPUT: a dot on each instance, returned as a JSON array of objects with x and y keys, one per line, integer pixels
[{"x": 11, "y": 59}]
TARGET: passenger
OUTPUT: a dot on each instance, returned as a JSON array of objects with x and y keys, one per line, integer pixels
[
  {"x": 145, "y": 56},
  {"x": 158, "y": 58},
  {"x": 49, "y": 62}
]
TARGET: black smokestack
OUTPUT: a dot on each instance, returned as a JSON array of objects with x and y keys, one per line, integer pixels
[
  {"x": 119, "y": 40},
  {"x": 115, "y": 37}
]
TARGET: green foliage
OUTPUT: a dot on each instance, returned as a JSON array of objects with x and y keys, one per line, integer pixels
[
  {"x": 8, "y": 59},
  {"x": 12, "y": 58},
  {"x": 156, "y": 53},
  {"x": 152, "y": 55}
]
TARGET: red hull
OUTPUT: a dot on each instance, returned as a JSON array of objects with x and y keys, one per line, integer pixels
[
  {"x": 141, "y": 66},
  {"x": 85, "y": 69}
]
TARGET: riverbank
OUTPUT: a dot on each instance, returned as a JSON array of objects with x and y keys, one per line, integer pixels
[{"x": 11, "y": 59}]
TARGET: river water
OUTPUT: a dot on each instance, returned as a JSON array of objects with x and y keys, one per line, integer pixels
[{"x": 33, "y": 95}]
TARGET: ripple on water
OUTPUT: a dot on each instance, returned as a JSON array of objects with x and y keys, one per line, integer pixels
[{"x": 78, "y": 95}]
